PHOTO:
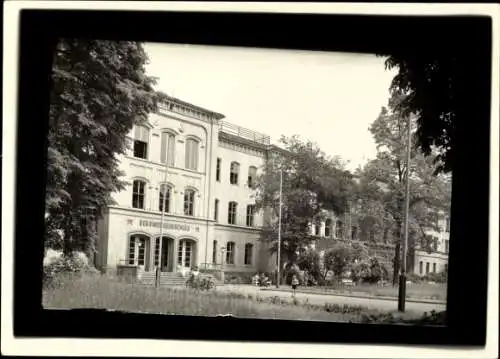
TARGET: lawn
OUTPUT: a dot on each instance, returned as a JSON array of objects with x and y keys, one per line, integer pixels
[
  {"x": 423, "y": 291},
  {"x": 104, "y": 292}
]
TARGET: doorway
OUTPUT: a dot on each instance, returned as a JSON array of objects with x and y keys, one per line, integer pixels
[{"x": 185, "y": 253}]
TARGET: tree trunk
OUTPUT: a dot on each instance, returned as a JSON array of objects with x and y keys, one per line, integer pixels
[{"x": 397, "y": 255}]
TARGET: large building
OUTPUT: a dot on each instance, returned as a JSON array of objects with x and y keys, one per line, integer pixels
[{"x": 205, "y": 199}]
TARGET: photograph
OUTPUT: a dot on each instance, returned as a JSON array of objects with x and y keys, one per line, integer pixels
[
  {"x": 172, "y": 189},
  {"x": 224, "y": 179}
]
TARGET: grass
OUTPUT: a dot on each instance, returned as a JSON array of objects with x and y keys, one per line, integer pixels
[
  {"x": 104, "y": 292},
  {"x": 423, "y": 291}
]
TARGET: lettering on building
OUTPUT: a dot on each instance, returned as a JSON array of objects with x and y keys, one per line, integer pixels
[{"x": 172, "y": 226}]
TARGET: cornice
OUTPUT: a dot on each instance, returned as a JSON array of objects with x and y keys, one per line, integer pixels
[{"x": 172, "y": 104}]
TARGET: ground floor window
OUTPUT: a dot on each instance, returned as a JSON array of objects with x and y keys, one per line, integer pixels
[
  {"x": 137, "y": 250},
  {"x": 185, "y": 254},
  {"x": 434, "y": 267},
  {"x": 427, "y": 268},
  {"x": 248, "y": 253},
  {"x": 230, "y": 253},
  {"x": 421, "y": 267}
]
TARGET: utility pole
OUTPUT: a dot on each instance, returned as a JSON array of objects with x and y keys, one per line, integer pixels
[
  {"x": 164, "y": 201},
  {"x": 279, "y": 233},
  {"x": 402, "y": 276}
]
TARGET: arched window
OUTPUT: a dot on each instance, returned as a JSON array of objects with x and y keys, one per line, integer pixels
[
  {"x": 231, "y": 212},
  {"x": 250, "y": 215},
  {"x": 138, "y": 194},
  {"x": 433, "y": 267},
  {"x": 137, "y": 250},
  {"x": 421, "y": 267},
  {"x": 317, "y": 228},
  {"x": 328, "y": 227},
  {"x": 214, "y": 252},
  {"x": 141, "y": 141},
  {"x": 252, "y": 176},
  {"x": 234, "y": 173},
  {"x": 167, "y": 154},
  {"x": 339, "y": 229},
  {"x": 192, "y": 149},
  {"x": 230, "y": 252},
  {"x": 248, "y": 253},
  {"x": 427, "y": 268},
  {"x": 165, "y": 195},
  {"x": 189, "y": 202}
]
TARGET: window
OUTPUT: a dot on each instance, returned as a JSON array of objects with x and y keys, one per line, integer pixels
[
  {"x": 189, "y": 202},
  {"x": 136, "y": 250},
  {"x": 234, "y": 172},
  {"x": 185, "y": 253},
  {"x": 427, "y": 268},
  {"x": 250, "y": 215},
  {"x": 167, "y": 154},
  {"x": 421, "y": 267},
  {"x": 434, "y": 267},
  {"x": 141, "y": 140},
  {"x": 216, "y": 210},
  {"x": 252, "y": 177},
  {"x": 328, "y": 227},
  {"x": 435, "y": 243},
  {"x": 231, "y": 213},
  {"x": 354, "y": 232},
  {"x": 447, "y": 224},
  {"x": 217, "y": 171},
  {"x": 165, "y": 195},
  {"x": 192, "y": 154},
  {"x": 317, "y": 227},
  {"x": 230, "y": 253},
  {"x": 447, "y": 246},
  {"x": 248, "y": 253},
  {"x": 339, "y": 229},
  {"x": 138, "y": 191},
  {"x": 214, "y": 252}
]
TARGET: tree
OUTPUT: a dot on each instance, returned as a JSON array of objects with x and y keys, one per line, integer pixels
[
  {"x": 339, "y": 258},
  {"x": 312, "y": 183},
  {"x": 382, "y": 181},
  {"x": 99, "y": 91},
  {"x": 438, "y": 89}
]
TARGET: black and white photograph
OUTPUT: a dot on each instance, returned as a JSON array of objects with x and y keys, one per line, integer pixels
[
  {"x": 161, "y": 184},
  {"x": 210, "y": 170}
]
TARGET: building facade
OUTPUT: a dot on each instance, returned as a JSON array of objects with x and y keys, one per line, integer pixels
[{"x": 196, "y": 174}]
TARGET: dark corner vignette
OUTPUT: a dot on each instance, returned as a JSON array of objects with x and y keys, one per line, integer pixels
[{"x": 420, "y": 36}]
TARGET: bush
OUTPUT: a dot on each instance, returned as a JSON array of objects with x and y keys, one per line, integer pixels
[
  {"x": 76, "y": 264},
  {"x": 369, "y": 271},
  {"x": 205, "y": 282}
]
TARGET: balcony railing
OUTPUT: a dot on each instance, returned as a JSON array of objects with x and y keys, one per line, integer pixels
[{"x": 244, "y": 133}]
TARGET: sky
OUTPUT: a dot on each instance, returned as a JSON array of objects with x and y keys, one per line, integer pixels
[{"x": 329, "y": 98}]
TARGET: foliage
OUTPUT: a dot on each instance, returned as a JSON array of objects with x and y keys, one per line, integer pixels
[
  {"x": 339, "y": 258},
  {"x": 202, "y": 282},
  {"x": 370, "y": 270},
  {"x": 99, "y": 91},
  {"x": 434, "y": 318},
  {"x": 431, "y": 86},
  {"x": 310, "y": 263},
  {"x": 381, "y": 190},
  {"x": 64, "y": 265},
  {"x": 312, "y": 183}
]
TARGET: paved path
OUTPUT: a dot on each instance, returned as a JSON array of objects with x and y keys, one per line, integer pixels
[{"x": 321, "y": 299}]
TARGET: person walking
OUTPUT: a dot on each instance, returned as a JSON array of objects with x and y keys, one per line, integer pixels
[{"x": 295, "y": 283}]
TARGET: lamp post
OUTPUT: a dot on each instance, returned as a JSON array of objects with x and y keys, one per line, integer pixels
[
  {"x": 163, "y": 210},
  {"x": 222, "y": 251},
  {"x": 402, "y": 276},
  {"x": 279, "y": 234}
]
